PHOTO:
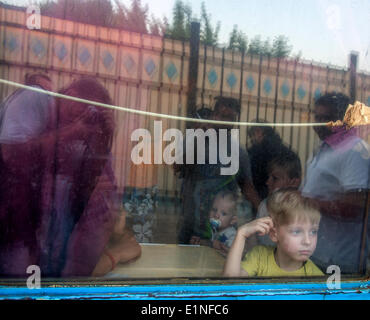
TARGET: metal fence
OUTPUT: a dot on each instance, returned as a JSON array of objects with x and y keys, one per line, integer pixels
[{"x": 172, "y": 77}]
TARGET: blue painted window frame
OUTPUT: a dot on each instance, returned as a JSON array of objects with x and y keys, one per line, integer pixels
[{"x": 177, "y": 289}]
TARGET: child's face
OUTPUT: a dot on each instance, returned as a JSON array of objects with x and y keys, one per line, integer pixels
[
  {"x": 297, "y": 241},
  {"x": 256, "y": 136},
  {"x": 222, "y": 209},
  {"x": 278, "y": 178}
]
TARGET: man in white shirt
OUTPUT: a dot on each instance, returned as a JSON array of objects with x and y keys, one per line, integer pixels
[{"x": 337, "y": 177}]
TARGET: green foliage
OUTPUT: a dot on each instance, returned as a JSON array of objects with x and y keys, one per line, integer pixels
[
  {"x": 238, "y": 40},
  {"x": 182, "y": 16},
  {"x": 255, "y": 46},
  {"x": 266, "y": 48},
  {"x": 208, "y": 33},
  {"x": 136, "y": 18},
  {"x": 280, "y": 47},
  {"x": 157, "y": 26},
  {"x": 97, "y": 12},
  {"x": 101, "y": 12}
]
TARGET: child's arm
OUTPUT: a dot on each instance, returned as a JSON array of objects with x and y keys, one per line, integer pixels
[
  {"x": 232, "y": 266},
  {"x": 122, "y": 249},
  {"x": 126, "y": 250}
]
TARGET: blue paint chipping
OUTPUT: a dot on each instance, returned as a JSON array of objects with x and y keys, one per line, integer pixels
[{"x": 354, "y": 290}]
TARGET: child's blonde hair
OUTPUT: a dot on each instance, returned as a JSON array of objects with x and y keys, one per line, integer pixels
[{"x": 287, "y": 205}]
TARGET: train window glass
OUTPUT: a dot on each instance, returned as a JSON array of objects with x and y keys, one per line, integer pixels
[{"x": 115, "y": 165}]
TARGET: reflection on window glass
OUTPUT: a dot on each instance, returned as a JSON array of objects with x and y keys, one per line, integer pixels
[{"x": 248, "y": 168}]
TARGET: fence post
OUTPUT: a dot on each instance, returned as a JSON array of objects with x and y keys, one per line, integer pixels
[
  {"x": 353, "y": 59},
  {"x": 193, "y": 68}
]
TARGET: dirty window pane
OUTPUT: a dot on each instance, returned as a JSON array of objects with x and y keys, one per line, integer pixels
[{"x": 118, "y": 162}]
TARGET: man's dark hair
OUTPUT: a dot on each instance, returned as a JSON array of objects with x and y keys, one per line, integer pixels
[
  {"x": 89, "y": 88},
  {"x": 231, "y": 103},
  {"x": 203, "y": 113},
  {"x": 30, "y": 79},
  {"x": 337, "y": 102},
  {"x": 269, "y": 132},
  {"x": 288, "y": 160}
]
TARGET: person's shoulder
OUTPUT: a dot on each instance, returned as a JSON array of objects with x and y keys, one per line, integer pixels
[
  {"x": 361, "y": 148},
  {"x": 263, "y": 250},
  {"x": 30, "y": 97}
]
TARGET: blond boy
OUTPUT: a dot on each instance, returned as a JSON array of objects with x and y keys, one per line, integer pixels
[{"x": 292, "y": 225}]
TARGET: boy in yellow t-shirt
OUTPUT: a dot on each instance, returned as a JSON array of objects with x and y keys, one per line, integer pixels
[{"x": 293, "y": 224}]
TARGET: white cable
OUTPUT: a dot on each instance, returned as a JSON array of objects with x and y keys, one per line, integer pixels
[{"x": 158, "y": 115}]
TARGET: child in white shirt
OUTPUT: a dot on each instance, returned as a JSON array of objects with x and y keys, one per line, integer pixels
[{"x": 222, "y": 220}]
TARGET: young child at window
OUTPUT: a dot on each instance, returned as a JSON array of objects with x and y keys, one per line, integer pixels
[
  {"x": 292, "y": 225},
  {"x": 221, "y": 224},
  {"x": 284, "y": 171}
]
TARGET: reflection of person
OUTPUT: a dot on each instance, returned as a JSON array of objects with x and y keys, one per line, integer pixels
[
  {"x": 203, "y": 181},
  {"x": 266, "y": 145},
  {"x": 292, "y": 225},
  {"x": 183, "y": 170},
  {"x": 33, "y": 119},
  {"x": 24, "y": 117},
  {"x": 221, "y": 225},
  {"x": 58, "y": 202},
  {"x": 284, "y": 171},
  {"x": 202, "y": 113},
  {"x": 337, "y": 178}
]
